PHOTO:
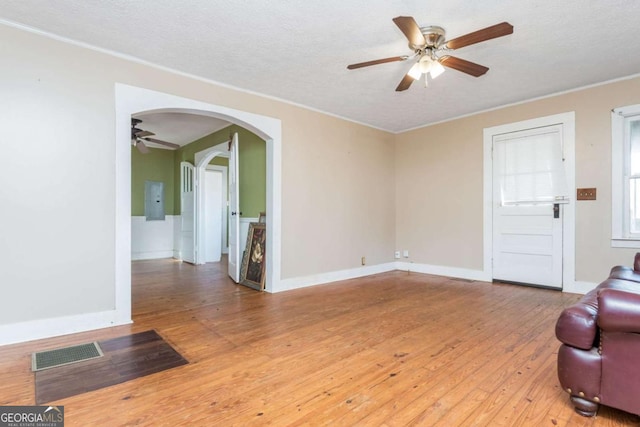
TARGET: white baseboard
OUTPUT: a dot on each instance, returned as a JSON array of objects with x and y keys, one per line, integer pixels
[
  {"x": 439, "y": 270},
  {"x": 47, "y": 328},
  {"x": 334, "y": 276},
  {"x": 137, "y": 256},
  {"x": 578, "y": 287}
]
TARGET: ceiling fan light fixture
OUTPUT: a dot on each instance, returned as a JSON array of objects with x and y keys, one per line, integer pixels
[
  {"x": 436, "y": 69},
  {"x": 425, "y": 64},
  {"x": 415, "y": 71}
]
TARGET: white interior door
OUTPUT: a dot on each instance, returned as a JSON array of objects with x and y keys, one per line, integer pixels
[
  {"x": 212, "y": 216},
  {"x": 187, "y": 212},
  {"x": 234, "y": 211},
  {"x": 529, "y": 191}
]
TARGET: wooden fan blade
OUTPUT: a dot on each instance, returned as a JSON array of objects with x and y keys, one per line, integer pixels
[
  {"x": 377, "y": 61},
  {"x": 158, "y": 141},
  {"x": 141, "y": 147},
  {"x": 140, "y": 133},
  {"x": 498, "y": 30},
  {"x": 476, "y": 70},
  {"x": 410, "y": 29},
  {"x": 405, "y": 83}
]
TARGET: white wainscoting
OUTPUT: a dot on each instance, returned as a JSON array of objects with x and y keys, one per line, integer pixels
[
  {"x": 177, "y": 230},
  {"x": 154, "y": 239},
  {"x": 244, "y": 231},
  {"x": 160, "y": 239}
]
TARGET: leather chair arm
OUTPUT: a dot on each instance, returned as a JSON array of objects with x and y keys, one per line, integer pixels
[
  {"x": 577, "y": 326},
  {"x": 618, "y": 311}
]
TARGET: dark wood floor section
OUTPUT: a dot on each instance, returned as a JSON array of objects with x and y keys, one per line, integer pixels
[
  {"x": 392, "y": 349},
  {"x": 125, "y": 358}
]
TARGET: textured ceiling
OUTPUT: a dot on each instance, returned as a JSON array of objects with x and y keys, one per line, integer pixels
[
  {"x": 298, "y": 51},
  {"x": 178, "y": 128}
]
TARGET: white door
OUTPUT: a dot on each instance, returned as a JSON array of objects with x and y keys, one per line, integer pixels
[
  {"x": 187, "y": 212},
  {"x": 212, "y": 216},
  {"x": 529, "y": 192},
  {"x": 234, "y": 211}
]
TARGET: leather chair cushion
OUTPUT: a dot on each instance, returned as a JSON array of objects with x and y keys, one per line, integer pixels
[
  {"x": 621, "y": 370},
  {"x": 619, "y": 311}
]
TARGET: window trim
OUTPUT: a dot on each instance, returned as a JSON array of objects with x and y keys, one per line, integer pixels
[{"x": 621, "y": 236}]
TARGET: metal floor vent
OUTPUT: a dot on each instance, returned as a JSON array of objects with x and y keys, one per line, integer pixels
[{"x": 64, "y": 356}]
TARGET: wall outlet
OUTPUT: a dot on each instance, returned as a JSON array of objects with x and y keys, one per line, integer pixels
[
  {"x": 586, "y": 194},
  {"x": 364, "y": 260},
  {"x": 405, "y": 253},
  {"x": 397, "y": 254}
]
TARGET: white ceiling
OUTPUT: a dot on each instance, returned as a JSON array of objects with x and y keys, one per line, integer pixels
[
  {"x": 178, "y": 128},
  {"x": 298, "y": 51}
]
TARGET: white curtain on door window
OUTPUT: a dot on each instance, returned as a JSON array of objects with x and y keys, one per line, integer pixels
[{"x": 530, "y": 167}]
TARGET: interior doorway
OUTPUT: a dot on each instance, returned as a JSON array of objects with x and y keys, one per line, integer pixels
[
  {"x": 131, "y": 100},
  {"x": 215, "y": 213},
  {"x": 212, "y": 220},
  {"x": 205, "y": 201}
]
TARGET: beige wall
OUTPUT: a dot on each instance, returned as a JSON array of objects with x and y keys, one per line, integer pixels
[
  {"x": 439, "y": 181},
  {"x": 57, "y": 127},
  {"x": 340, "y": 187},
  {"x": 347, "y": 190}
]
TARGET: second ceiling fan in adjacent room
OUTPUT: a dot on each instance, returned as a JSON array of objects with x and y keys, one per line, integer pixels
[{"x": 139, "y": 136}]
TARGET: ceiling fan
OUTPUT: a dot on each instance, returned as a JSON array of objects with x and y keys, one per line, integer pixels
[
  {"x": 138, "y": 136},
  {"x": 428, "y": 42}
]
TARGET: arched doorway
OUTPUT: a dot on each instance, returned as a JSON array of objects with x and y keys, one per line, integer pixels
[{"x": 130, "y": 100}]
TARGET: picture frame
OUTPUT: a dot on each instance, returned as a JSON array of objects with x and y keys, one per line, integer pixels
[
  {"x": 263, "y": 217},
  {"x": 253, "y": 259}
]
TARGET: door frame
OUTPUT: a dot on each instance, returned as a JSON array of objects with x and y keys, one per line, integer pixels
[
  {"x": 202, "y": 159},
  {"x": 224, "y": 171},
  {"x": 188, "y": 179},
  {"x": 203, "y": 219},
  {"x": 567, "y": 120},
  {"x": 131, "y": 100}
]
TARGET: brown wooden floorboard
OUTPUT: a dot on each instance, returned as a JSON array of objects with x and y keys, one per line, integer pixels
[
  {"x": 125, "y": 358},
  {"x": 392, "y": 349}
]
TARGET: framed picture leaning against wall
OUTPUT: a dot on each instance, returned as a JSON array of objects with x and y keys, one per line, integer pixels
[{"x": 253, "y": 259}]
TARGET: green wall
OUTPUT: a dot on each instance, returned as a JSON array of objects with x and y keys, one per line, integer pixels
[
  {"x": 164, "y": 165},
  {"x": 157, "y": 165},
  {"x": 252, "y": 162}
]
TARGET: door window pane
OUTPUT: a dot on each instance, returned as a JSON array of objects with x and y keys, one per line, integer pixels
[{"x": 530, "y": 167}]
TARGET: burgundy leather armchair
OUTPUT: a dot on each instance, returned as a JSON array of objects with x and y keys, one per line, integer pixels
[{"x": 599, "y": 359}]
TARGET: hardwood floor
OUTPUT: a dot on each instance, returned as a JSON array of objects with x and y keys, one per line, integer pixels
[
  {"x": 125, "y": 358},
  {"x": 392, "y": 349}
]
